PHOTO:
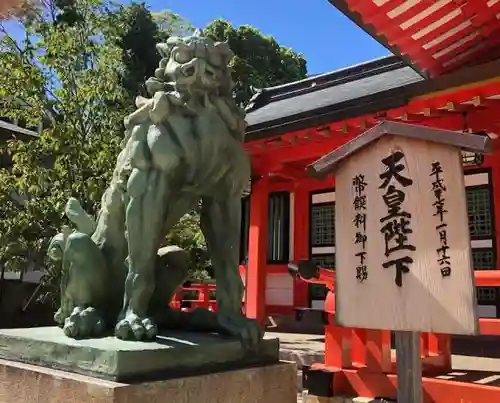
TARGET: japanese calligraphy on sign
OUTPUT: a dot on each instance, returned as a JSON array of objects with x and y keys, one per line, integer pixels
[
  {"x": 396, "y": 224},
  {"x": 360, "y": 238},
  {"x": 402, "y": 263},
  {"x": 439, "y": 189}
]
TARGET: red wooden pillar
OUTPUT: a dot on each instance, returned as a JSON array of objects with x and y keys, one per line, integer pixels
[
  {"x": 257, "y": 251},
  {"x": 300, "y": 241}
]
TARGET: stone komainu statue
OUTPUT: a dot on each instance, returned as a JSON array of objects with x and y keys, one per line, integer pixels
[{"x": 181, "y": 145}]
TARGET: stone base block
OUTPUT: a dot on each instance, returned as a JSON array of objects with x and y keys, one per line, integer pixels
[
  {"x": 342, "y": 399},
  {"x": 25, "y": 383},
  {"x": 172, "y": 354}
]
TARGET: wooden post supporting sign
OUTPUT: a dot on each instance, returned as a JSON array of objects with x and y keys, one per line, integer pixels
[
  {"x": 403, "y": 258},
  {"x": 409, "y": 367}
]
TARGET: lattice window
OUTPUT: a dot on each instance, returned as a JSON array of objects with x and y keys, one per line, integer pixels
[
  {"x": 486, "y": 295},
  {"x": 479, "y": 212},
  {"x": 326, "y": 261},
  {"x": 483, "y": 259},
  {"x": 279, "y": 227},
  {"x": 323, "y": 224}
]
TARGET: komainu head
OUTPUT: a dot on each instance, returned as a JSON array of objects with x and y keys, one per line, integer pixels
[{"x": 193, "y": 65}]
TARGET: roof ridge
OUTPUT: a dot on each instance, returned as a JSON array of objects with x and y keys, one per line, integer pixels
[{"x": 390, "y": 59}]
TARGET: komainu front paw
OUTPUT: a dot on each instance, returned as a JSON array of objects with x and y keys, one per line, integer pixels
[
  {"x": 84, "y": 323},
  {"x": 60, "y": 316},
  {"x": 132, "y": 327},
  {"x": 249, "y": 331}
]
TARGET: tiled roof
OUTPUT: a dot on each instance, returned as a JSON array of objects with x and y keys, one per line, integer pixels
[{"x": 336, "y": 91}]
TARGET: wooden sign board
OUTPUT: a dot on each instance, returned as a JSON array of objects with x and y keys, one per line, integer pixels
[{"x": 403, "y": 257}]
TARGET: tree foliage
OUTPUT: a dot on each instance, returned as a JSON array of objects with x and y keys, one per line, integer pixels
[
  {"x": 187, "y": 235},
  {"x": 138, "y": 41},
  {"x": 143, "y": 29},
  {"x": 259, "y": 61},
  {"x": 170, "y": 23},
  {"x": 68, "y": 75}
]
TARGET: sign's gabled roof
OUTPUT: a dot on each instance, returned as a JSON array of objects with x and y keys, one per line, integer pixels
[{"x": 468, "y": 142}]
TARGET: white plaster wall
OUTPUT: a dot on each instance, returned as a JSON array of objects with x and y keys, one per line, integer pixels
[
  {"x": 487, "y": 311},
  {"x": 279, "y": 289},
  {"x": 323, "y": 197}
]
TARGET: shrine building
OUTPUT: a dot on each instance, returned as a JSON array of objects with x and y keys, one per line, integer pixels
[
  {"x": 444, "y": 72},
  {"x": 10, "y": 129}
]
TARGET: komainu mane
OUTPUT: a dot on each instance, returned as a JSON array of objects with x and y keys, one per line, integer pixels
[{"x": 181, "y": 145}]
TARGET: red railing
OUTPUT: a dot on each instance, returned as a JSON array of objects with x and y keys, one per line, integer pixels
[
  {"x": 204, "y": 297},
  {"x": 363, "y": 357},
  {"x": 360, "y": 360}
]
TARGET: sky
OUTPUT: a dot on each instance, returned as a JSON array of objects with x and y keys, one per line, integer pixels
[{"x": 315, "y": 28}]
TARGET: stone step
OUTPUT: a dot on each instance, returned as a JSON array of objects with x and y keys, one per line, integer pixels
[{"x": 301, "y": 358}]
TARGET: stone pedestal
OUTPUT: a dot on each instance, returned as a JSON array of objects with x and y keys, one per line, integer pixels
[
  {"x": 343, "y": 399},
  {"x": 41, "y": 365},
  {"x": 24, "y": 383}
]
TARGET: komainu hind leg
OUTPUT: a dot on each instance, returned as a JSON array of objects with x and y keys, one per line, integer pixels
[
  {"x": 220, "y": 223},
  {"x": 172, "y": 262},
  {"x": 172, "y": 269}
]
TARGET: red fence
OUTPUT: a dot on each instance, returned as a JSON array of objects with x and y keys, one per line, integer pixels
[
  {"x": 361, "y": 362},
  {"x": 195, "y": 296}
]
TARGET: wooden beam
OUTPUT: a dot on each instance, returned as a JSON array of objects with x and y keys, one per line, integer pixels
[
  {"x": 431, "y": 113},
  {"x": 302, "y": 151},
  {"x": 412, "y": 117},
  {"x": 482, "y": 102},
  {"x": 324, "y": 131},
  {"x": 457, "y": 108},
  {"x": 290, "y": 172}
]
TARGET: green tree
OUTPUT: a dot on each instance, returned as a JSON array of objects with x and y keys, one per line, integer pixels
[
  {"x": 259, "y": 61},
  {"x": 143, "y": 29},
  {"x": 67, "y": 74},
  {"x": 170, "y": 23},
  {"x": 138, "y": 42},
  {"x": 187, "y": 235}
]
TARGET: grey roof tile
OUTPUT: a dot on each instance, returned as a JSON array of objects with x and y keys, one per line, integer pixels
[
  {"x": 333, "y": 95},
  {"x": 287, "y": 103}
]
